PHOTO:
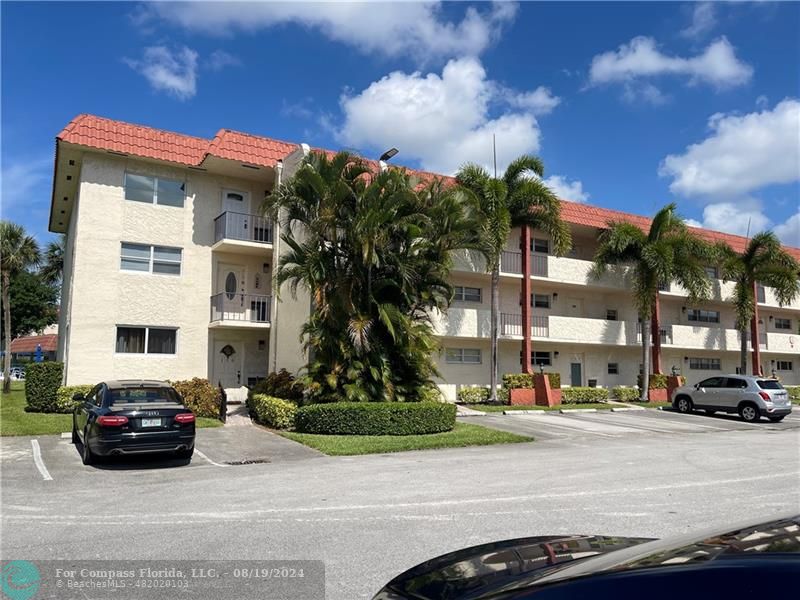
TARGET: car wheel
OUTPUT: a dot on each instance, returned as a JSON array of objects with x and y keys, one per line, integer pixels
[
  {"x": 87, "y": 456},
  {"x": 776, "y": 419},
  {"x": 683, "y": 404},
  {"x": 185, "y": 453},
  {"x": 749, "y": 413}
]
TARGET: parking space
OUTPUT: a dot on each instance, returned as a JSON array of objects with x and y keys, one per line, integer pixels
[
  {"x": 584, "y": 426},
  {"x": 55, "y": 458}
]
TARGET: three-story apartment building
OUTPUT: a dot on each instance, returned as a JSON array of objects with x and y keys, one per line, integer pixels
[{"x": 169, "y": 265}]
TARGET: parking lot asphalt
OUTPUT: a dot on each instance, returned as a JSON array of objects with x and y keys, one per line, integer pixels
[{"x": 371, "y": 517}]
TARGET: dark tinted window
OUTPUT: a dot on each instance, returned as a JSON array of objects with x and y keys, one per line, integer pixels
[
  {"x": 712, "y": 382},
  {"x": 736, "y": 383},
  {"x": 141, "y": 395},
  {"x": 769, "y": 384}
]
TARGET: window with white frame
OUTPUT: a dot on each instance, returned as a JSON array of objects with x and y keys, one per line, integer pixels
[
  {"x": 463, "y": 356},
  {"x": 542, "y": 358},
  {"x": 781, "y": 323},
  {"x": 154, "y": 190},
  {"x": 540, "y": 245},
  {"x": 702, "y": 316},
  {"x": 150, "y": 259},
  {"x": 613, "y": 368},
  {"x": 468, "y": 294},
  {"x": 761, "y": 293},
  {"x": 784, "y": 365},
  {"x": 146, "y": 340},
  {"x": 705, "y": 364},
  {"x": 540, "y": 300}
]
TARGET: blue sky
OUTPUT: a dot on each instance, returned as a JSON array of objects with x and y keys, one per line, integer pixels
[{"x": 630, "y": 105}]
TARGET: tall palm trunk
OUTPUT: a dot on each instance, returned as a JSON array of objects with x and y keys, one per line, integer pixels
[
  {"x": 645, "y": 362},
  {"x": 7, "y": 333},
  {"x": 754, "y": 337},
  {"x": 743, "y": 352},
  {"x": 495, "y": 331},
  {"x": 655, "y": 327},
  {"x": 525, "y": 288}
]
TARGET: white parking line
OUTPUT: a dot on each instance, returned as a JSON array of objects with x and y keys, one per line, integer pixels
[
  {"x": 203, "y": 456},
  {"x": 37, "y": 459}
]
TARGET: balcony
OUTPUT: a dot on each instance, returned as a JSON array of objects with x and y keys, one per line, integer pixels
[
  {"x": 664, "y": 330},
  {"x": 243, "y": 233},
  {"x": 511, "y": 325},
  {"x": 240, "y": 310},
  {"x": 511, "y": 264}
]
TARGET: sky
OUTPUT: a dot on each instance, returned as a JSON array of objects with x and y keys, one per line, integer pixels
[{"x": 630, "y": 105}]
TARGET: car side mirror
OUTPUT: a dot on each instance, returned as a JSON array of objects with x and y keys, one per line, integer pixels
[
  {"x": 697, "y": 386},
  {"x": 78, "y": 397}
]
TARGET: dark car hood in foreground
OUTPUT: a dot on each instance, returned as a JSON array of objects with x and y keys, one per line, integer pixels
[{"x": 484, "y": 571}]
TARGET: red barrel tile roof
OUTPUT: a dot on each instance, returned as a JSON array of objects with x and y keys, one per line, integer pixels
[
  {"x": 117, "y": 136},
  {"x": 28, "y": 343}
]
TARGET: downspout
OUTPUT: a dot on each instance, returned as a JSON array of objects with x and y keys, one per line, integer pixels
[{"x": 276, "y": 242}]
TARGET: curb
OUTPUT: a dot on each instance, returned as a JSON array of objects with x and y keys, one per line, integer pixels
[
  {"x": 526, "y": 412},
  {"x": 628, "y": 408},
  {"x": 578, "y": 410}
]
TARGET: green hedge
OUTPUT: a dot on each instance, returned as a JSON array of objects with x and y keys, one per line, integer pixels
[
  {"x": 578, "y": 395},
  {"x": 473, "y": 395},
  {"x": 202, "y": 398},
  {"x": 626, "y": 394},
  {"x": 281, "y": 384},
  {"x": 657, "y": 381},
  {"x": 64, "y": 401},
  {"x": 272, "y": 412},
  {"x": 431, "y": 393},
  {"x": 514, "y": 381},
  {"x": 42, "y": 381},
  {"x": 794, "y": 393},
  {"x": 376, "y": 418}
]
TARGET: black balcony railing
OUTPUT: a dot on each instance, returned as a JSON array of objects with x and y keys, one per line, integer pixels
[
  {"x": 250, "y": 308},
  {"x": 511, "y": 262},
  {"x": 241, "y": 226}
]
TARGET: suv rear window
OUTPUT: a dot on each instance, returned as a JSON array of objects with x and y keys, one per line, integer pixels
[
  {"x": 769, "y": 384},
  {"x": 141, "y": 395}
]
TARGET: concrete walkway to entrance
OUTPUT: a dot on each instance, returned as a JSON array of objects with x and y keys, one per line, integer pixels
[{"x": 238, "y": 416}]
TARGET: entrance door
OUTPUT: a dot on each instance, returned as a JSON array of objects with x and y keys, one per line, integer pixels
[
  {"x": 228, "y": 364},
  {"x": 575, "y": 375},
  {"x": 231, "y": 284},
  {"x": 575, "y": 307},
  {"x": 237, "y": 221}
]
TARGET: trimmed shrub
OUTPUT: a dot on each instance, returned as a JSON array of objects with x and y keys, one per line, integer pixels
[
  {"x": 794, "y": 393},
  {"x": 514, "y": 381},
  {"x": 42, "y": 381},
  {"x": 503, "y": 396},
  {"x": 376, "y": 418},
  {"x": 281, "y": 384},
  {"x": 658, "y": 381},
  {"x": 199, "y": 396},
  {"x": 626, "y": 394},
  {"x": 272, "y": 412},
  {"x": 64, "y": 401},
  {"x": 473, "y": 395},
  {"x": 578, "y": 395},
  {"x": 431, "y": 393}
]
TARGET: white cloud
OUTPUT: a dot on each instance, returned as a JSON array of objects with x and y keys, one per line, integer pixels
[
  {"x": 540, "y": 101},
  {"x": 735, "y": 217},
  {"x": 703, "y": 20},
  {"x": 636, "y": 91},
  {"x": 641, "y": 58},
  {"x": 388, "y": 28},
  {"x": 762, "y": 102},
  {"x": 442, "y": 120},
  {"x": 789, "y": 231},
  {"x": 173, "y": 72},
  {"x": 219, "y": 59},
  {"x": 567, "y": 190},
  {"x": 22, "y": 179},
  {"x": 743, "y": 153}
]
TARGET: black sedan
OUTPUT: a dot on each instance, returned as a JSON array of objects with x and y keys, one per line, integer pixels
[
  {"x": 132, "y": 416},
  {"x": 746, "y": 562}
]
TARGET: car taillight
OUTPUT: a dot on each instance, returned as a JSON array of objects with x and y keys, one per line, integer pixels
[
  {"x": 765, "y": 396},
  {"x": 108, "y": 421},
  {"x": 184, "y": 418}
]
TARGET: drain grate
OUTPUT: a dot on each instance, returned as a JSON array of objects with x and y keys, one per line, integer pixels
[{"x": 248, "y": 461}]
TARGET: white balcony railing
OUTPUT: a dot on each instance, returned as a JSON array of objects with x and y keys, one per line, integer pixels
[
  {"x": 240, "y": 308},
  {"x": 240, "y": 226}
]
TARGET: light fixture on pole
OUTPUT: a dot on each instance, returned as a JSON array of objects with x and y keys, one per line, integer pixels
[{"x": 391, "y": 152}]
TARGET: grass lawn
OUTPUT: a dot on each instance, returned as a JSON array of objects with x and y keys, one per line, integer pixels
[
  {"x": 463, "y": 435},
  {"x": 502, "y": 407},
  {"x": 15, "y": 421}
]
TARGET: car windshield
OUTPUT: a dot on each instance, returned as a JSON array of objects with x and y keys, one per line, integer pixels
[
  {"x": 769, "y": 384},
  {"x": 141, "y": 395}
]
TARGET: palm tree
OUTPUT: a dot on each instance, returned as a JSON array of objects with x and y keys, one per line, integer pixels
[
  {"x": 667, "y": 252},
  {"x": 18, "y": 251},
  {"x": 764, "y": 262},
  {"x": 53, "y": 261},
  {"x": 373, "y": 250},
  {"x": 517, "y": 199}
]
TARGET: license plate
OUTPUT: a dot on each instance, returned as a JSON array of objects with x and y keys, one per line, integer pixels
[{"x": 151, "y": 422}]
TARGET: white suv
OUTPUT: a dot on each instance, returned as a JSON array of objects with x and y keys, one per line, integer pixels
[{"x": 751, "y": 397}]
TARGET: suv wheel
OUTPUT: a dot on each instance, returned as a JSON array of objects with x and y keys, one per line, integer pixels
[
  {"x": 683, "y": 404},
  {"x": 749, "y": 413},
  {"x": 87, "y": 456}
]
